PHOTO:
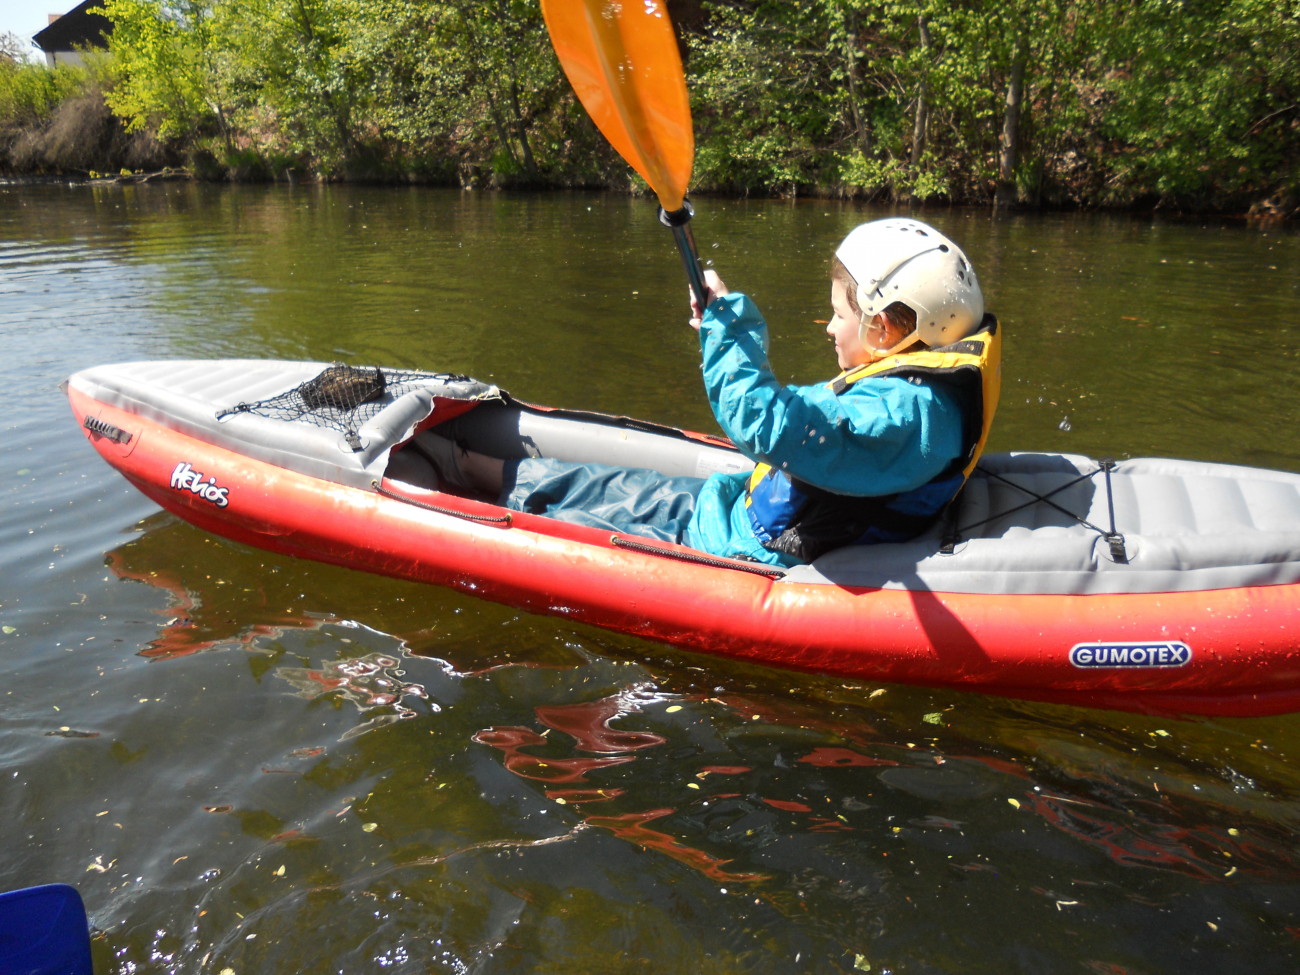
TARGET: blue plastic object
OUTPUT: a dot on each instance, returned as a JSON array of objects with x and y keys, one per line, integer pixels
[{"x": 44, "y": 931}]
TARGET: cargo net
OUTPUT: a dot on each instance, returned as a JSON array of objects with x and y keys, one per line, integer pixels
[{"x": 342, "y": 397}]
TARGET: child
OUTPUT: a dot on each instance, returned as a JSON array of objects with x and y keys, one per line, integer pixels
[{"x": 873, "y": 456}]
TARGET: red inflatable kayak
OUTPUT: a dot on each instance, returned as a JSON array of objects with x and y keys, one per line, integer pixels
[{"x": 1153, "y": 585}]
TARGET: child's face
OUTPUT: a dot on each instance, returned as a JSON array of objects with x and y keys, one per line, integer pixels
[
  {"x": 850, "y": 350},
  {"x": 843, "y": 328}
]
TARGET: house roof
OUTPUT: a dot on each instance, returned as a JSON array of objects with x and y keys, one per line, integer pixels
[{"x": 75, "y": 28}]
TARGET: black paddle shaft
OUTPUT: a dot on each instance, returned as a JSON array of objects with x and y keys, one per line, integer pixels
[{"x": 679, "y": 222}]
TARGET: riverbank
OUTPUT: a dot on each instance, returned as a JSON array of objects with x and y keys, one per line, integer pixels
[
  {"x": 1063, "y": 105},
  {"x": 1267, "y": 213}
]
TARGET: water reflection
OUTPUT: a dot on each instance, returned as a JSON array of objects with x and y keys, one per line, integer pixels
[
  {"x": 180, "y": 636},
  {"x": 372, "y": 682},
  {"x": 511, "y": 740}
]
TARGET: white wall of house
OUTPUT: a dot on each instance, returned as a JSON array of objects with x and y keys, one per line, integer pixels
[{"x": 54, "y": 59}]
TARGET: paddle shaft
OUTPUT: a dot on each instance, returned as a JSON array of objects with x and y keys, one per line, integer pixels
[{"x": 679, "y": 222}]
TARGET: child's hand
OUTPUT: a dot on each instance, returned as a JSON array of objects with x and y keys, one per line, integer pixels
[{"x": 716, "y": 290}]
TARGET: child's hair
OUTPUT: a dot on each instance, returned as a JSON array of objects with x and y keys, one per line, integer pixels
[
  {"x": 900, "y": 315},
  {"x": 840, "y": 275}
]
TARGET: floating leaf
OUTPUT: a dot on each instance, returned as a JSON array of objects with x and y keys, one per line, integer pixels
[
  {"x": 1014, "y": 802},
  {"x": 675, "y": 707},
  {"x": 875, "y": 694},
  {"x": 861, "y": 964},
  {"x": 370, "y": 827},
  {"x": 934, "y": 717},
  {"x": 1234, "y": 832},
  {"x": 1162, "y": 733},
  {"x": 787, "y": 805},
  {"x": 280, "y": 872},
  {"x": 9, "y": 629},
  {"x": 692, "y": 785}
]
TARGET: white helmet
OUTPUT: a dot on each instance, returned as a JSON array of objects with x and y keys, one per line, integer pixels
[{"x": 901, "y": 259}]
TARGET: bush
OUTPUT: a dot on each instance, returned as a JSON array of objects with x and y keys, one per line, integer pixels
[
  {"x": 30, "y": 92},
  {"x": 55, "y": 120}
]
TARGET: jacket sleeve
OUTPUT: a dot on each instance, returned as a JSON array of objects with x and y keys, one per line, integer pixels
[{"x": 880, "y": 437}]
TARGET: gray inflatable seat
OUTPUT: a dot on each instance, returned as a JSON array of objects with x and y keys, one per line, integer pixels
[{"x": 1186, "y": 526}]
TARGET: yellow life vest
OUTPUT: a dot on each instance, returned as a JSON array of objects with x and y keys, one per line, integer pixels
[{"x": 791, "y": 516}]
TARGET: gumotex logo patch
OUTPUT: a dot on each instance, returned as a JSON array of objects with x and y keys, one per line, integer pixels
[
  {"x": 1170, "y": 653},
  {"x": 186, "y": 478}
]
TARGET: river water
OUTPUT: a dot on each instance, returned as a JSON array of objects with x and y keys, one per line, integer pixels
[{"x": 206, "y": 740}]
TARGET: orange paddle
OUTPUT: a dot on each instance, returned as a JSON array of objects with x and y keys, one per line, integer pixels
[{"x": 621, "y": 58}]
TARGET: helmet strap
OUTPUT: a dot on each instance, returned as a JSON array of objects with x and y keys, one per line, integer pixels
[{"x": 912, "y": 338}]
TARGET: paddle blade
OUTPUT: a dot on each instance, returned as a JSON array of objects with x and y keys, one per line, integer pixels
[{"x": 622, "y": 60}]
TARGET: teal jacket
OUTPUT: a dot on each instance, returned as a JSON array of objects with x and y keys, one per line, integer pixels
[{"x": 880, "y": 437}]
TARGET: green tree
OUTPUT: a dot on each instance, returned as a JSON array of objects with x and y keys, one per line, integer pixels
[
  {"x": 768, "y": 113},
  {"x": 1203, "y": 101},
  {"x": 474, "y": 72},
  {"x": 297, "y": 73},
  {"x": 166, "y": 72}
]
